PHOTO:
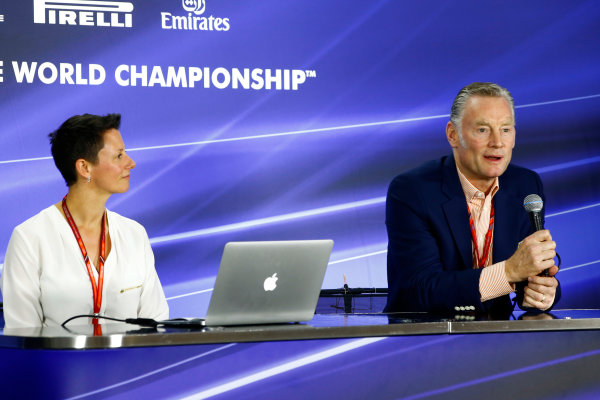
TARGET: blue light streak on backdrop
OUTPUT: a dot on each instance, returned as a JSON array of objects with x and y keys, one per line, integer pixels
[{"x": 216, "y": 165}]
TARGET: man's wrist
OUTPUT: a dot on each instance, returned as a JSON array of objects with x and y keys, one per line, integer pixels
[{"x": 508, "y": 268}]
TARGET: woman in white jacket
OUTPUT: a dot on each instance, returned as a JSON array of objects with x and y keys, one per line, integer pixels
[{"x": 76, "y": 257}]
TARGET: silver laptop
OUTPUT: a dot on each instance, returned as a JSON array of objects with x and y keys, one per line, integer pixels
[{"x": 268, "y": 282}]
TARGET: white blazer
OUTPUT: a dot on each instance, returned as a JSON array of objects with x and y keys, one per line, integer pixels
[{"x": 45, "y": 280}]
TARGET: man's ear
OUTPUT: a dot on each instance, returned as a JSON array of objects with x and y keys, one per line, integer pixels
[{"x": 452, "y": 135}]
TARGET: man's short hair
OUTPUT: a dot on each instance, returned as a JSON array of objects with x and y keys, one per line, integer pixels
[
  {"x": 81, "y": 136},
  {"x": 485, "y": 89}
]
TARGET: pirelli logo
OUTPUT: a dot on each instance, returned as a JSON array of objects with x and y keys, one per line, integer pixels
[{"x": 116, "y": 14}]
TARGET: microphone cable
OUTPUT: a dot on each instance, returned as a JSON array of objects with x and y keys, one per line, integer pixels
[{"x": 147, "y": 322}]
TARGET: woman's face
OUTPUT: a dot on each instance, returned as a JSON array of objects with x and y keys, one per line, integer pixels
[{"x": 111, "y": 173}]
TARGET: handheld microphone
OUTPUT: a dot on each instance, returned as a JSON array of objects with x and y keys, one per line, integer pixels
[{"x": 533, "y": 205}]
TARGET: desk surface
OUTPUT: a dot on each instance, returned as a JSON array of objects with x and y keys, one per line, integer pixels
[
  {"x": 363, "y": 356},
  {"x": 322, "y": 326}
]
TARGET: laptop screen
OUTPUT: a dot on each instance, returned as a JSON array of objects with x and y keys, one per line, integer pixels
[{"x": 268, "y": 282}]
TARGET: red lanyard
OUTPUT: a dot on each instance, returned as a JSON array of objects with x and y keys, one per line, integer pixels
[
  {"x": 96, "y": 289},
  {"x": 488, "y": 238}
]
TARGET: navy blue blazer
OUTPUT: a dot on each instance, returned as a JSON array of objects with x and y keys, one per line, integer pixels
[{"x": 430, "y": 266}]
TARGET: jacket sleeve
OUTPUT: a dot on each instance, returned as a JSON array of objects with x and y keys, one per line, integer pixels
[
  {"x": 152, "y": 303},
  {"x": 418, "y": 280},
  {"x": 21, "y": 284}
]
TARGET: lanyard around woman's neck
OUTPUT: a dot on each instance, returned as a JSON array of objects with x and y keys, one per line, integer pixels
[{"x": 96, "y": 289}]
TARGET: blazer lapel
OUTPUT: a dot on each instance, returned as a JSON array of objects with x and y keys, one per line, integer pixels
[{"x": 455, "y": 209}]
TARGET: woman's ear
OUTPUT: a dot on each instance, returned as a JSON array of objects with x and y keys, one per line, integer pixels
[{"x": 83, "y": 169}]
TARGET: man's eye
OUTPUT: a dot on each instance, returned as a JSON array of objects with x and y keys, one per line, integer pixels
[{"x": 482, "y": 130}]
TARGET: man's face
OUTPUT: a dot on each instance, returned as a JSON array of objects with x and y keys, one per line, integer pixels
[{"x": 488, "y": 138}]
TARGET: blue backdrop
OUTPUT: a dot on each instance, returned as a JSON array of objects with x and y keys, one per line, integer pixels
[{"x": 300, "y": 114}]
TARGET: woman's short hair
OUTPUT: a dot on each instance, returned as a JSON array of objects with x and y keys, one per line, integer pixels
[{"x": 81, "y": 136}]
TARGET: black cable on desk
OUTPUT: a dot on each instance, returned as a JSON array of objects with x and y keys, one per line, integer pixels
[
  {"x": 148, "y": 322},
  {"x": 137, "y": 321}
]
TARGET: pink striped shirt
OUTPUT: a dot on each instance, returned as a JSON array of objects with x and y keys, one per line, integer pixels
[{"x": 492, "y": 282}]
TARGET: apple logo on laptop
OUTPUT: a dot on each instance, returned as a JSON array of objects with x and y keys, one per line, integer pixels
[{"x": 270, "y": 283}]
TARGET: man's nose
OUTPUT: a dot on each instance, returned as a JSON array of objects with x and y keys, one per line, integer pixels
[{"x": 496, "y": 138}]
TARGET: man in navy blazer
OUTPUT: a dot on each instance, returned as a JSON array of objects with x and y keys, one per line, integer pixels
[{"x": 432, "y": 262}]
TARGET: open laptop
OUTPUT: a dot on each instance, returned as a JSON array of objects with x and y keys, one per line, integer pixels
[{"x": 268, "y": 282}]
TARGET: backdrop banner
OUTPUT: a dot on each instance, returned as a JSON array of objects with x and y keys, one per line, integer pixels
[{"x": 271, "y": 120}]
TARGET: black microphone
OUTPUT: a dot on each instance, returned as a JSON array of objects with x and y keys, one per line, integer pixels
[{"x": 533, "y": 205}]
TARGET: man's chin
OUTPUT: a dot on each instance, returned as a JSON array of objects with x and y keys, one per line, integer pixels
[{"x": 494, "y": 171}]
